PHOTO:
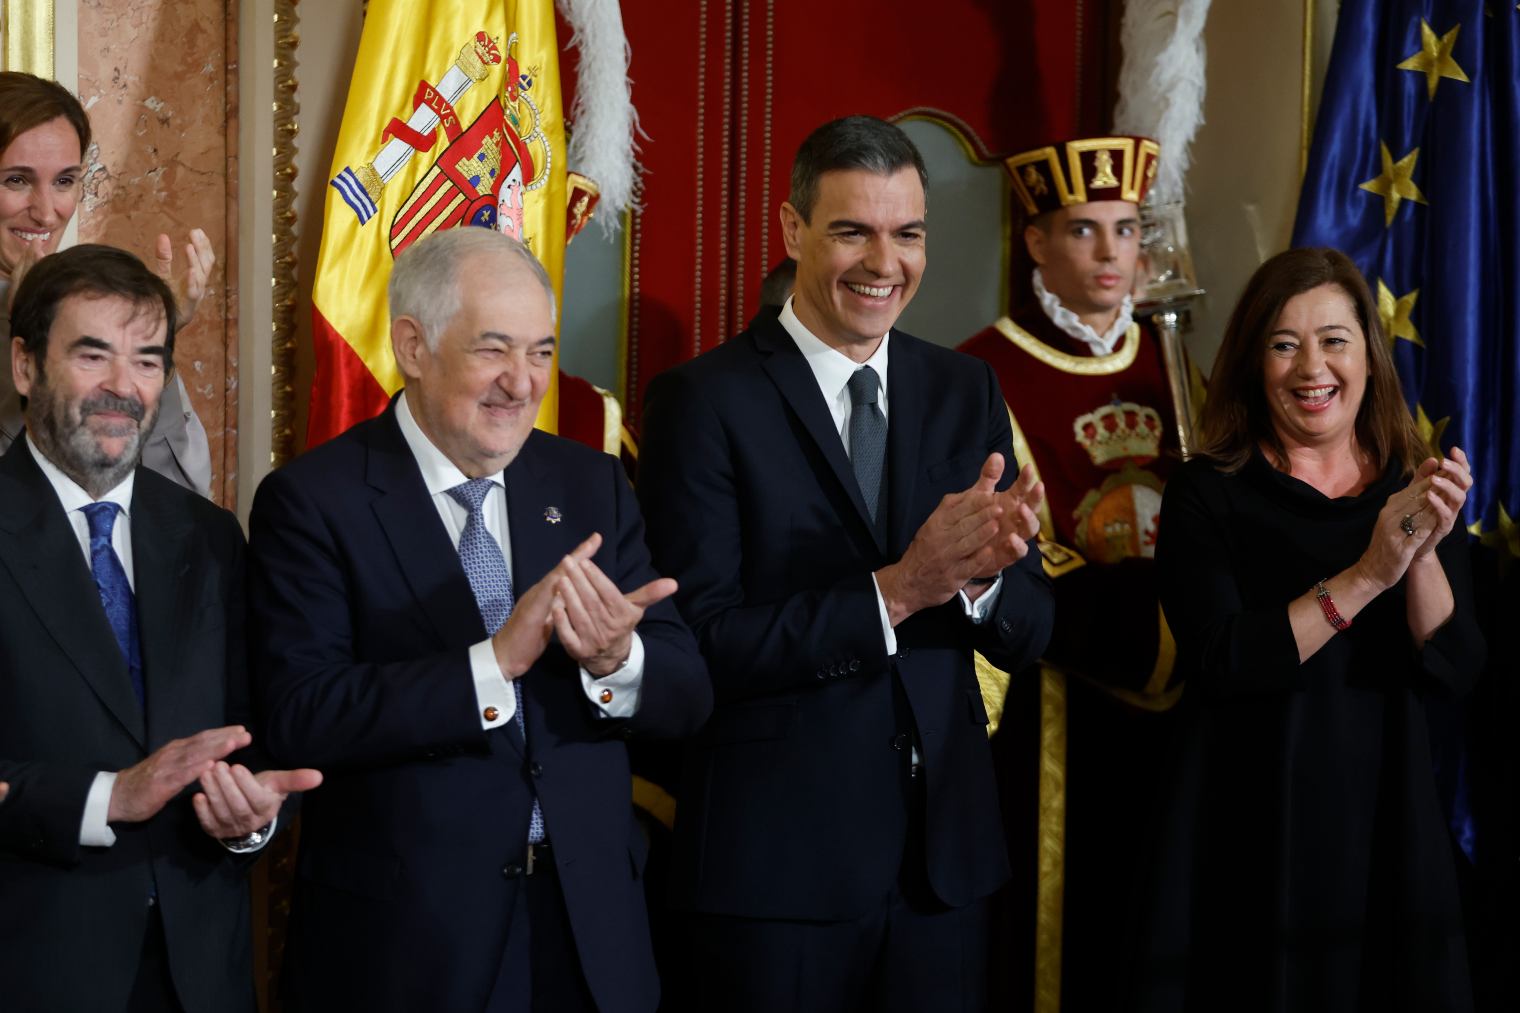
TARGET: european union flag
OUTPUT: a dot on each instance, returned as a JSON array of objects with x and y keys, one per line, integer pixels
[{"x": 1415, "y": 174}]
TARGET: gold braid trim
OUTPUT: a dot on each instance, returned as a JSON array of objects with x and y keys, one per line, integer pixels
[
  {"x": 994, "y": 685},
  {"x": 612, "y": 422},
  {"x": 1050, "y": 885},
  {"x": 1081, "y": 365},
  {"x": 654, "y": 800},
  {"x": 1166, "y": 656},
  {"x": 1026, "y": 456}
]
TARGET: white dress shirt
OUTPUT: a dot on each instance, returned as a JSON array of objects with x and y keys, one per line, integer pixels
[
  {"x": 440, "y": 475},
  {"x": 94, "y": 831},
  {"x": 833, "y": 369},
  {"x": 1069, "y": 323}
]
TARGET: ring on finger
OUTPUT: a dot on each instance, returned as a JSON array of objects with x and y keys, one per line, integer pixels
[{"x": 1407, "y": 525}]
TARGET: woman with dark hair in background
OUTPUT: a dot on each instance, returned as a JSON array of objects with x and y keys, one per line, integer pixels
[
  {"x": 44, "y": 137},
  {"x": 1316, "y": 578}
]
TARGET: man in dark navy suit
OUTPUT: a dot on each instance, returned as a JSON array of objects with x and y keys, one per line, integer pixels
[
  {"x": 458, "y": 615},
  {"x": 839, "y": 502},
  {"x": 122, "y": 674}
]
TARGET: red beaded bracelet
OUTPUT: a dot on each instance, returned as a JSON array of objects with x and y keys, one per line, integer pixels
[{"x": 1327, "y": 605}]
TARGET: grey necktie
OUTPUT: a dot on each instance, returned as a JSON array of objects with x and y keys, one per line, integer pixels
[
  {"x": 868, "y": 435},
  {"x": 491, "y": 581}
]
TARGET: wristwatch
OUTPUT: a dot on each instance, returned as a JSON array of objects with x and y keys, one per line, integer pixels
[{"x": 248, "y": 841}]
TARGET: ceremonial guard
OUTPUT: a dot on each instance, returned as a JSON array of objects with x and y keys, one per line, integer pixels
[{"x": 1090, "y": 403}]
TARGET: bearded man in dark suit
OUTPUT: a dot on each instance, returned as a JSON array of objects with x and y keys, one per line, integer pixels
[{"x": 122, "y": 676}]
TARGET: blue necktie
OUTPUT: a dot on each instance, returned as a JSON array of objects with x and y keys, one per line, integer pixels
[
  {"x": 115, "y": 592},
  {"x": 868, "y": 435},
  {"x": 492, "y": 583}
]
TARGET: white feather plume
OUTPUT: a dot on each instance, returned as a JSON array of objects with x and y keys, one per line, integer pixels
[
  {"x": 1161, "y": 84},
  {"x": 603, "y": 122}
]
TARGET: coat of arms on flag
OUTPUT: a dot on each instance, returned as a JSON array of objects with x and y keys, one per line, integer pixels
[
  {"x": 484, "y": 174},
  {"x": 455, "y": 117}
]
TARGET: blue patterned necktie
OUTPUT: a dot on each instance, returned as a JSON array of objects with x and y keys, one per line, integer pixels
[
  {"x": 115, "y": 591},
  {"x": 492, "y": 583},
  {"x": 868, "y": 435}
]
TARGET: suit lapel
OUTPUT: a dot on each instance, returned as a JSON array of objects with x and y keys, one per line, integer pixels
[
  {"x": 907, "y": 413},
  {"x": 161, "y": 530},
  {"x": 39, "y": 547},
  {"x": 424, "y": 554},
  {"x": 427, "y": 560},
  {"x": 543, "y": 528},
  {"x": 790, "y": 373},
  {"x": 537, "y": 516}
]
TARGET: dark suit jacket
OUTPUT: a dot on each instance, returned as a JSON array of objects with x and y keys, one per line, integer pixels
[
  {"x": 793, "y": 801},
  {"x": 74, "y": 917},
  {"x": 364, "y": 616}
]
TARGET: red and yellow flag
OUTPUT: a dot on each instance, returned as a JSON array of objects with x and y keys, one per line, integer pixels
[{"x": 454, "y": 117}]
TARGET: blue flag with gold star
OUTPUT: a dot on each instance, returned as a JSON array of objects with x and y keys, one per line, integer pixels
[{"x": 1415, "y": 174}]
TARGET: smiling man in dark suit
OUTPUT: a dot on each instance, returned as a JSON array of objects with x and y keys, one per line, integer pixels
[
  {"x": 121, "y": 674},
  {"x": 457, "y": 613},
  {"x": 839, "y": 502}
]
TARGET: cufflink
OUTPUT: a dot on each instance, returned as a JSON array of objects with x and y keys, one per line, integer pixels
[{"x": 491, "y": 713}]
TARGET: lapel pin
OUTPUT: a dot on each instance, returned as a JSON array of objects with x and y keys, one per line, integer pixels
[{"x": 552, "y": 515}]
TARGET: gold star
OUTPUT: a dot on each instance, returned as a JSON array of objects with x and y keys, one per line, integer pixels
[
  {"x": 1395, "y": 184},
  {"x": 1395, "y": 315},
  {"x": 1434, "y": 58},
  {"x": 1503, "y": 539},
  {"x": 1431, "y": 432}
]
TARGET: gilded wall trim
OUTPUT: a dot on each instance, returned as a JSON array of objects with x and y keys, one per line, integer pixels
[
  {"x": 626, "y": 317},
  {"x": 1306, "y": 89},
  {"x": 283, "y": 220},
  {"x": 977, "y": 153},
  {"x": 29, "y": 40}
]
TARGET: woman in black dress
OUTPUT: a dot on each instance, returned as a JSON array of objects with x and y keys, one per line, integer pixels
[{"x": 1316, "y": 579}]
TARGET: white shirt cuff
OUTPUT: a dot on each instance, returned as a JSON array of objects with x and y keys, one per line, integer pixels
[
  {"x": 94, "y": 831},
  {"x": 617, "y": 695},
  {"x": 887, "y": 633},
  {"x": 268, "y": 836},
  {"x": 977, "y": 610},
  {"x": 493, "y": 694}
]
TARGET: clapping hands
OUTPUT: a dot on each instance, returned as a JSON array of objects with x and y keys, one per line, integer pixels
[
  {"x": 971, "y": 534},
  {"x": 594, "y": 619},
  {"x": 1417, "y": 517},
  {"x": 200, "y": 259}
]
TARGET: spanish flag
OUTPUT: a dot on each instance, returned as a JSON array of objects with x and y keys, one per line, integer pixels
[{"x": 453, "y": 118}]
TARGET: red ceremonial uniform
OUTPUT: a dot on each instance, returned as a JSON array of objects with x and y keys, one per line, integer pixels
[
  {"x": 1101, "y": 431},
  {"x": 1082, "y": 741}
]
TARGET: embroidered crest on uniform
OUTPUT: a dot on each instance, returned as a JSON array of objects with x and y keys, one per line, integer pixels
[{"x": 1118, "y": 519}]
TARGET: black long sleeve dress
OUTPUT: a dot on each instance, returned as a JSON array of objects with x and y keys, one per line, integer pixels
[{"x": 1303, "y": 861}]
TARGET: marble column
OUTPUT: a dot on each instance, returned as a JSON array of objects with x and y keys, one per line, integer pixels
[{"x": 159, "y": 79}]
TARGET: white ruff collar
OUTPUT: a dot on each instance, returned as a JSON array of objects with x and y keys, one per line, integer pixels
[{"x": 1069, "y": 323}]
